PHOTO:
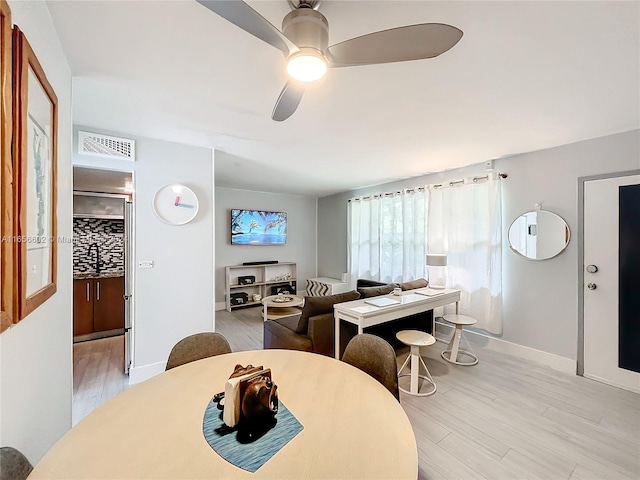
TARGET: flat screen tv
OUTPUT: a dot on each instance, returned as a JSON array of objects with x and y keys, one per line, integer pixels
[{"x": 257, "y": 227}]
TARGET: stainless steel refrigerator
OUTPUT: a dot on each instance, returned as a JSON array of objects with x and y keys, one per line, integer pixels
[{"x": 128, "y": 284}]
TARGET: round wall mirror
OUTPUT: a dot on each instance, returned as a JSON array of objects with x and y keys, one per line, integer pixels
[{"x": 539, "y": 235}]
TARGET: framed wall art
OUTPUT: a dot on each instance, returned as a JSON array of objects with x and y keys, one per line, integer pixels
[
  {"x": 34, "y": 146},
  {"x": 7, "y": 299}
]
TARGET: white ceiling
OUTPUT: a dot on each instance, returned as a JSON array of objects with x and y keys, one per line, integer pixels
[{"x": 525, "y": 76}]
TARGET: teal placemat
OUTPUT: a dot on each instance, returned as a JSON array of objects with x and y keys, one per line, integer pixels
[{"x": 233, "y": 447}]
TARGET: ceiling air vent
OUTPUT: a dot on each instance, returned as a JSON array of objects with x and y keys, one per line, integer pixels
[{"x": 106, "y": 146}]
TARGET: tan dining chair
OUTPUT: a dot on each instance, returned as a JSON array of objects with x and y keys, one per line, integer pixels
[
  {"x": 196, "y": 347},
  {"x": 13, "y": 464},
  {"x": 374, "y": 355}
]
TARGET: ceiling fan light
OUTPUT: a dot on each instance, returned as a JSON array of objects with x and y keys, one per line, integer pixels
[{"x": 306, "y": 67}]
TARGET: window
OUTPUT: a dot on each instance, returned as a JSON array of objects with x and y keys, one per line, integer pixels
[{"x": 390, "y": 235}]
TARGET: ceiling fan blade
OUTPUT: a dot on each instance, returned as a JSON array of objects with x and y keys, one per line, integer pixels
[
  {"x": 413, "y": 42},
  {"x": 288, "y": 101},
  {"x": 242, "y": 15}
]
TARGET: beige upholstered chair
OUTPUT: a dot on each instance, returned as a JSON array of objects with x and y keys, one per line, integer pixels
[
  {"x": 13, "y": 464},
  {"x": 196, "y": 347},
  {"x": 375, "y": 356}
]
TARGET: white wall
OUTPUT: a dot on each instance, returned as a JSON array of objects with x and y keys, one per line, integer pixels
[
  {"x": 175, "y": 297},
  {"x": 35, "y": 354},
  {"x": 301, "y": 234},
  {"x": 540, "y": 298}
]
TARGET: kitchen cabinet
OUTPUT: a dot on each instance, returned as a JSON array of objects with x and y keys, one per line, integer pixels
[
  {"x": 82, "y": 307},
  {"x": 108, "y": 307},
  {"x": 98, "y": 305}
]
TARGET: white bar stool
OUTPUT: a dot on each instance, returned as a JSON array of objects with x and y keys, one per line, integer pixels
[
  {"x": 416, "y": 339},
  {"x": 453, "y": 351}
]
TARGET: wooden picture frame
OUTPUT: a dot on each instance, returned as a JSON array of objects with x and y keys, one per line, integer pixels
[
  {"x": 7, "y": 300},
  {"x": 35, "y": 132}
]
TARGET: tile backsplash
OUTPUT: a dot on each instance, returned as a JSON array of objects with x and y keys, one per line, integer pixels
[{"x": 108, "y": 234}]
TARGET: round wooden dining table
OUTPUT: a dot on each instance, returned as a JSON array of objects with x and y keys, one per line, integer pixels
[{"x": 353, "y": 427}]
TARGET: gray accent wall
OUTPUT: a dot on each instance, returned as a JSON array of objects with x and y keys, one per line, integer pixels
[
  {"x": 540, "y": 298},
  {"x": 301, "y": 234}
]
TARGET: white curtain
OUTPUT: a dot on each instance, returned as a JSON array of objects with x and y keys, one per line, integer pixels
[
  {"x": 387, "y": 236},
  {"x": 465, "y": 223}
]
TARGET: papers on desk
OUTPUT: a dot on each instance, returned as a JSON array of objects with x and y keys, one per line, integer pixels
[
  {"x": 381, "y": 302},
  {"x": 429, "y": 292}
]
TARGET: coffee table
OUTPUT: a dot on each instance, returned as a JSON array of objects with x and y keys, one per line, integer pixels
[{"x": 273, "y": 309}]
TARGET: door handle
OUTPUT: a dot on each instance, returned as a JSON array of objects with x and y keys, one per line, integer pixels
[
  {"x": 98, "y": 292},
  {"x": 592, "y": 268},
  {"x": 88, "y": 292},
  {"x": 592, "y": 286}
]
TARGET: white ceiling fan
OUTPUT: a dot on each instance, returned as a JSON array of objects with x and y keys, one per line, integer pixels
[{"x": 304, "y": 41}]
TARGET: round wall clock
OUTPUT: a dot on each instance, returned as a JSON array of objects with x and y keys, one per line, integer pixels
[{"x": 175, "y": 204}]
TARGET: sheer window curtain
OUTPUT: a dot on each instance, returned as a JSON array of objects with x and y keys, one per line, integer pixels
[
  {"x": 465, "y": 222},
  {"x": 387, "y": 236}
]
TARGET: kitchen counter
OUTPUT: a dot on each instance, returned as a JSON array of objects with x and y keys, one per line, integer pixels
[{"x": 84, "y": 275}]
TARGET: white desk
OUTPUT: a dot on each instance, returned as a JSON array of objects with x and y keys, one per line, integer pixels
[
  {"x": 364, "y": 315},
  {"x": 353, "y": 426}
]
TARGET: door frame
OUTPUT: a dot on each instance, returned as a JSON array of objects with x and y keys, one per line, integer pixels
[
  {"x": 581, "y": 185},
  {"x": 132, "y": 198}
]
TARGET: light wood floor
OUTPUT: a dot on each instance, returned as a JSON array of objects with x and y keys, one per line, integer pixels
[
  {"x": 505, "y": 418},
  {"x": 98, "y": 374}
]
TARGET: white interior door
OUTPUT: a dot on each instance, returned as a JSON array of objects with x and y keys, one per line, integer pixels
[{"x": 601, "y": 287}]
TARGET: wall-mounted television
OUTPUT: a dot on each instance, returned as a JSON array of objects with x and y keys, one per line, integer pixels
[{"x": 258, "y": 227}]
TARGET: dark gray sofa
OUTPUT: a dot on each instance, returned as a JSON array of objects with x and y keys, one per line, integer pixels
[{"x": 312, "y": 330}]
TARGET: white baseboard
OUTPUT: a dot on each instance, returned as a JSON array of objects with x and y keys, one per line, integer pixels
[
  {"x": 613, "y": 384},
  {"x": 220, "y": 306},
  {"x": 140, "y": 374},
  {"x": 568, "y": 365}
]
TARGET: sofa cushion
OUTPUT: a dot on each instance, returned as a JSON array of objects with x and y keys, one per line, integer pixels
[
  {"x": 419, "y": 283},
  {"x": 366, "y": 292},
  {"x": 363, "y": 282},
  {"x": 289, "y": 322},
  {"x": 279, "y": 334},
  {"x": 322, "y": 333},
  {"x": 319, "y": 305}
]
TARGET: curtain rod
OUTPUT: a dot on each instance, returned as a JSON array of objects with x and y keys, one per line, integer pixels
[
  {"x": 473, "y": 179},
  {"x": 422, "y": 189}
]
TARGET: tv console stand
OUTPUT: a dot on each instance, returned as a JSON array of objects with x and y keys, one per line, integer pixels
[{"x": 266, "y": 275}]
